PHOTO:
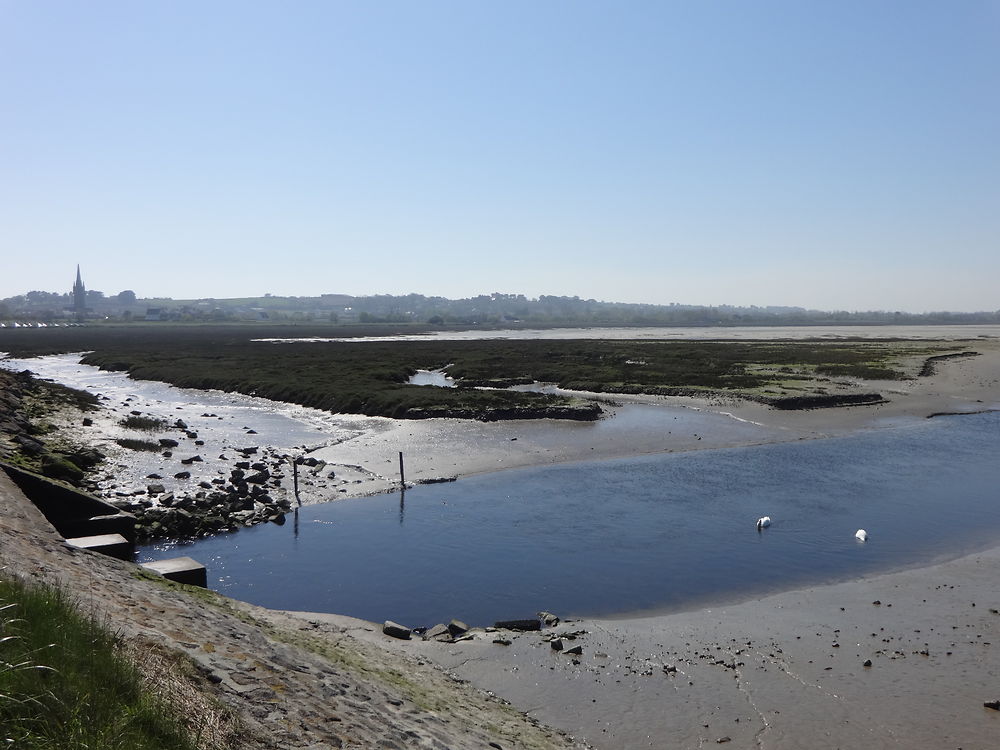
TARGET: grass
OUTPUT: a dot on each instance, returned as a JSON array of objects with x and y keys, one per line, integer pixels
[
  {"x": 145, "y": 424},
  {"x": 371, "y": 377},
  {"x": 65, "y": 685},
  {"x": 138, "y": 445}
]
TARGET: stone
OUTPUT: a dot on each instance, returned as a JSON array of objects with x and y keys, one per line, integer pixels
[
  {"x": 29, "y": 445},
  {"x": 439, "y": 632},
  {"x": 88, "y": 422},
  {"x": 168, "y": 443},
  {"x": 156, "y": 489},
  {"x": 548, "y": 618},
  {"x": 181, "y": 570},
  {"x": 557, "y": 644},
  {"x": 518, "y": 624},
  {"x": 182, "y": 475},
  {"x": 113, "y": 545},
  {"x": 395, "y": 630},
  {"x": 191, "y": 460},
  {"x": 457, "y": 627},
  {"x": 56, "y": 466},
  {"x": 995, "y": 705},
  {"x": 573, "y": 650}
]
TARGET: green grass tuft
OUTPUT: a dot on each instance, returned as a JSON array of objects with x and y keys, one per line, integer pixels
[{"x": 64, "y": 685}]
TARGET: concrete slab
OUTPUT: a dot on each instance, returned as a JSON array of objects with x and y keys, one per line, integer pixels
[
  {"x": 181, "y": 570},
  {"x": 113, "y": 545}
]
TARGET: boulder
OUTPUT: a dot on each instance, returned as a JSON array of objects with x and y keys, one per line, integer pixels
[
  {"x": 439, "y": 632},
  {"x": 168, "y": 443},
  {"x": 549, "y": 619},
  {"x": 29, "y": 445},
  {"x": 518, "y": 625},
  {"x": 396, "y": 630},
  {"x": 57, "y": 466},
  {"x": 457, "y": 627},
  {"x": 155, "y": 489}
]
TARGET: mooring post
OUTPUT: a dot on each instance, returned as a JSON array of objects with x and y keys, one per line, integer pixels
[
  {"x": 295, "y": 479},
  {"x": 402, "y": 477}
]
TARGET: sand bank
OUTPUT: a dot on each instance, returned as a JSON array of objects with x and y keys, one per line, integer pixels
[{"x": 786, "y": 671}]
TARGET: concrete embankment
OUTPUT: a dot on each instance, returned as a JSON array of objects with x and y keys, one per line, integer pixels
[{"x": 292, "y": 685}]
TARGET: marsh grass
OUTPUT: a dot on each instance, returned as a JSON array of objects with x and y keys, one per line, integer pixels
[
  {"x": 145, "y": 424},
  {"x": 64, "y": 683},
  {"x": 138, "y": 445}
]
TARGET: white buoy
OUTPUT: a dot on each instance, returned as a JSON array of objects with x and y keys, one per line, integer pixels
[
  {"x": 763, "y": 522},
  {"x": 861, "y": 535}
]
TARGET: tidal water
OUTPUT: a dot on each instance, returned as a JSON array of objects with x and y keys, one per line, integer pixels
[{"x": 649, "y": 534}]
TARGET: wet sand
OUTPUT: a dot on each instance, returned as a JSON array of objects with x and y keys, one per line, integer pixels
[{"x": 785, "y": 671}]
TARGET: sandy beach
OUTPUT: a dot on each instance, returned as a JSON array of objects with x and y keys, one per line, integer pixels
[{"x": 785, "y": 671}]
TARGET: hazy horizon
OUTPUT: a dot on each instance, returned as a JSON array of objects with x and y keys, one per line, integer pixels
[{"x": 827, "y": 156}]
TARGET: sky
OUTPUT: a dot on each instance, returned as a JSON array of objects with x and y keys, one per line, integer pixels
[{"x": 838, "y": 155}]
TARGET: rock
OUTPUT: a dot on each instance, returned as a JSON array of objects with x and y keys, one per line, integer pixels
[
  {"x": 867, "y": 663},
  {"x": 995, "y": 705},
  {"x": 439, "y": 632},
  {"x": 573, "y": 650},
  {"x": 155, "y": 489},
  {"x": 191, "y": 460},
  {"x": 518, "y": 625},
  {"x": 557, "y": 644},
  {"x": 56, "y": 466},
  {"x": 395, "y": 630},
  {"x": 153, "y": 476},
  {"x": 457, "y": 627},
  {"x": 548, "y": 618},
  {"x": 168, "y": 443},
  {"x": 88, "y": 422},
  {"x": 29, "y": 445},
  {"x": 502, "y": 641},
  {"x": 182, "y": 475}
]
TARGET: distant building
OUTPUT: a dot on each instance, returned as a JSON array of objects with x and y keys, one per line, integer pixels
[{"x": 79, "y": 297}]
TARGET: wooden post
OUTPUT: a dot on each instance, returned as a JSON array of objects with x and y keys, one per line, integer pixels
[
  {"x": 402, "y": 477},
  {"x": 295, "y": 479}
]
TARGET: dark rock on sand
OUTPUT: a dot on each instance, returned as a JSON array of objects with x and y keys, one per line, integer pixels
[
  {"x": 518, "y": 625},
  {"x": 396, "y": 630}
]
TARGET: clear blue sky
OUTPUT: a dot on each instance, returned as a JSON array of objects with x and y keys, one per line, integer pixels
[{"x": 836, "y": 155}]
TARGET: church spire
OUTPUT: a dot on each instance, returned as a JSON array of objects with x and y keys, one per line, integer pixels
[{"x": 79, "y": 296}]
